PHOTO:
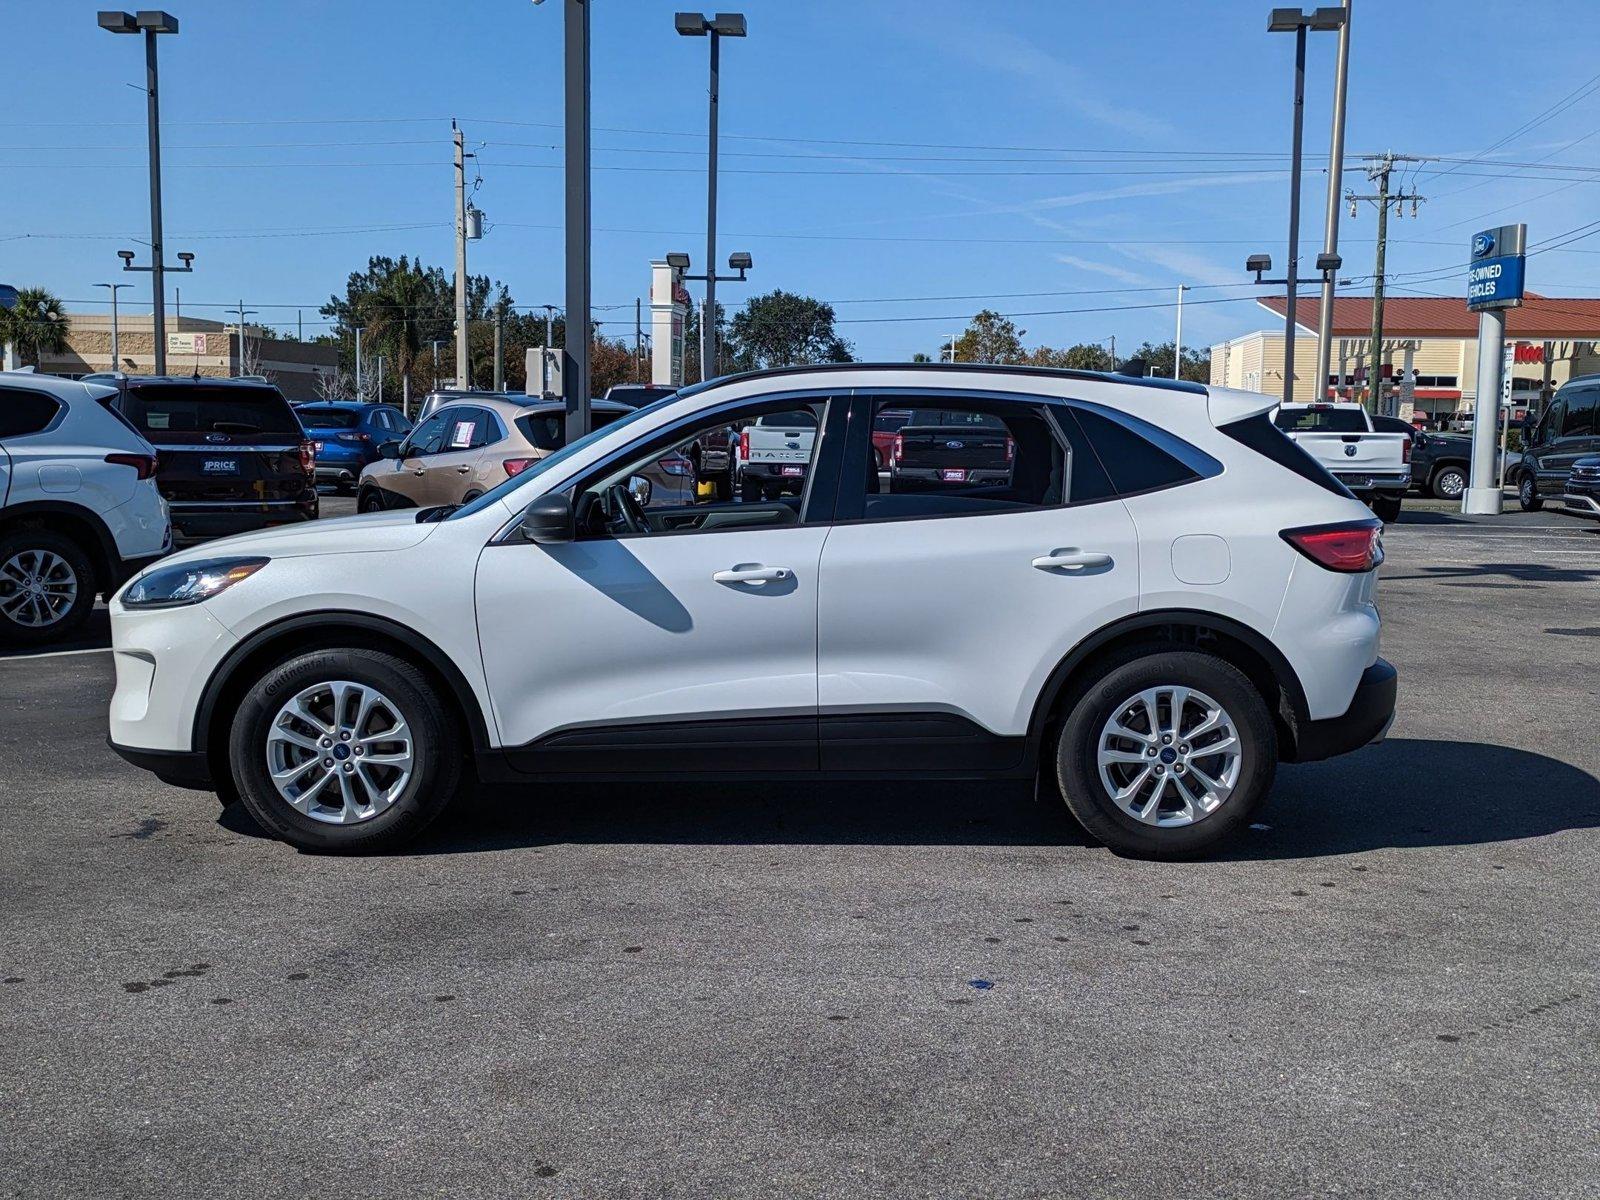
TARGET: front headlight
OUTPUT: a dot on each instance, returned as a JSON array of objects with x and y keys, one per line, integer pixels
[{"x": 188, "y": 583}]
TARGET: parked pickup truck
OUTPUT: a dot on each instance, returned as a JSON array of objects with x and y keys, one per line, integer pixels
[
  {"x": 772, "y": 453},
  {"x": 939, "y": 448},
  {"x": 1375, "y": 466}
]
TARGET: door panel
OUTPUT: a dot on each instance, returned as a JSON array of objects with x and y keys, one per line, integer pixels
[{"x": 612, "y": 632}]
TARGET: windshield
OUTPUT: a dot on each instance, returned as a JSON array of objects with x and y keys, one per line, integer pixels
[
  {"x": 187, "y": 408},
  {"x": 330, "y": 418},
  {"x": 1322, "y": 420},
  {"x": 501, "y": 492}
]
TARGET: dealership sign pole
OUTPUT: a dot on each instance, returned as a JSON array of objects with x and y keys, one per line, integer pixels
[{"x": 1494, "y": 284}]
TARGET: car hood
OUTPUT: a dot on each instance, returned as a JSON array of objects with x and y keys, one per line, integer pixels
[{"x": 362, "y": 534}]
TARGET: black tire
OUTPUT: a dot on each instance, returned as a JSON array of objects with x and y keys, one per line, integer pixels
[
  {"x": 75, "y": 562},
  {"x": 471, "y": 496},
  {"x": 342, "y": 488},
  {"x": 437, "y": 747},
  {"x": 750, "y": 490},
  {"x": 1449, "y": 482},
  {"x": 1387, "y": 508},
  {"x": 370, "y": 502},
  {"x": 1528, "y": 493},
  {"x": 1125, "y": 676}
]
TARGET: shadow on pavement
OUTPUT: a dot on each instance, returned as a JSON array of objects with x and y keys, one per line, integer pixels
[
  {"x": 95, "y": 635},
  {"x": 1404, "y": 793}
]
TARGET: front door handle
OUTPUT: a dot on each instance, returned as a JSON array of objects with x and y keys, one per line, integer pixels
[
  {"x": 462, "y": 470},
  {"x": 1072, "y": 560},
  {"x": 755, "y": 574}
]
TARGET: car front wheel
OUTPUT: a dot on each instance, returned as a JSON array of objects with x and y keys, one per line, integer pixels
[
  {"x": 1528, "y": 493},
  {"x": 1166, "y": 753},
  {"x": 345, "y": 751}
]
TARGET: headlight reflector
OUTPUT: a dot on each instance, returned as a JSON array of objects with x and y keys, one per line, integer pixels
[{"x": 188, "y": 583}]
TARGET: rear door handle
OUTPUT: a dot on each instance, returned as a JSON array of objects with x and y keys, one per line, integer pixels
[
  {"x": 752, "y": 575},
  {"x": 1072, "y": 560},
  {"x": 463, "y": 470}
]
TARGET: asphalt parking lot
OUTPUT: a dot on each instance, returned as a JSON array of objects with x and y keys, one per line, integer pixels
[{"x": 1390, "y": 986}]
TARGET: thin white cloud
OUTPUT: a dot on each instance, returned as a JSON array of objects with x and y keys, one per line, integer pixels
[{"x": 1122, "y": 275}]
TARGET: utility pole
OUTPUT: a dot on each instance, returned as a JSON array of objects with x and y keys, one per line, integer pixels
[
  {"x": 380, "y": 383},
  {"x": 1177, "y": 341},
  {"x": 1330, "y": 232},
  {"x": 463, "y": 365},
  {"x": 638, "y": 339},
  {"x": 359, "y": 393},
  {"x": 575, "y": 76},
  {"x": 299, "y": 325},
  {"x": 243, "y": 313},
  {"x": 1379, "y": 169},
  {"x": 435, "y": 343},
  {"x": 499, "y": 349}
]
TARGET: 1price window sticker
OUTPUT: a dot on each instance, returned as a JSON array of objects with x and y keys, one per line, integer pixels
[{"x": 461, "y": 436}]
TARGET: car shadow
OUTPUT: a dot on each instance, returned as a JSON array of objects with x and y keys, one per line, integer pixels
[
  {"x": 1405, "y": 793},
  {"x": 95, "y": 635}
]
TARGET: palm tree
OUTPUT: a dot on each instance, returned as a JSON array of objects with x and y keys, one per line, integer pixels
[{"x": 37, "y": 321}]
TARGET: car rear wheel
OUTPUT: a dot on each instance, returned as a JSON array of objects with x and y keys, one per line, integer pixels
[
  {"x": 1449, "y": 483},
  {"x": 46, "y": 587},
  {"x": 345, "y": 751},
  {"x": 1528, "y": 493},
  {"x": 1386, "y": 508},
  {"x": 1166, "y": 753},
  {"x": 369, "y": 501}
]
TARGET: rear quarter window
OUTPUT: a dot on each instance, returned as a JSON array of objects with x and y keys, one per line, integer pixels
[
  {"x": 1258, "y": 433},
  {"x": 1133, "y": 463},
  {"x": 23, "y": 412}
]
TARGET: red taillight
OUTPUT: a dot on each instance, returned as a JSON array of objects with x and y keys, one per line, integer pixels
[
  {"x": 1405, "y": 451},
  {"x": 899, "y": 447},
  {"x": 144, "y": 465},
  {"x": 1350, "y": 548},
  {"x": 308, "y": 457},
  {"x": 516, "y": 466},
  {"x": 744, "y": 444}
]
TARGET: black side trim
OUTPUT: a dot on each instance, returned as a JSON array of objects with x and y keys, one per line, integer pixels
[
  {"x": 323, "y": 622},
  {"x": 726, "y": 749},
  {"x": 1371, "y": 709},
  {"x": 180, "y": 768},
  {"x": 926, "y": 743}
]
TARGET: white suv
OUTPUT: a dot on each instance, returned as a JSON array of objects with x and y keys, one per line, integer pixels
[
  {"x": 79, "y": 509},
  {"x": 1161, "y": 599}
]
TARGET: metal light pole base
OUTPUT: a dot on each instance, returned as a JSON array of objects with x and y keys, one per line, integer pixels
[{"x": 1482, "y": 501}]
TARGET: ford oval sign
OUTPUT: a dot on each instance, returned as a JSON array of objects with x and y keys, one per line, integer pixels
[
  {"x": 1482, "y": 245},
  {"x": 955, "y": 445}
]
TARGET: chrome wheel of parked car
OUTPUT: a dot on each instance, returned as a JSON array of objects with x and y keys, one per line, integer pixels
[
  {"x": 37, "y": 588},
  {"x": 340, "y": 752},
  {"x": 1169, "y": 756},
  {"x": 1528, "y": 493}
]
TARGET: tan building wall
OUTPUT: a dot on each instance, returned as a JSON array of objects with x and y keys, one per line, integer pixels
[{"x": 293, "y": 366}]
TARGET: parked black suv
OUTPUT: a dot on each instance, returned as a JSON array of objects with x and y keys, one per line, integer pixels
[
  {"x": 1568, "y": 430},
  {"x": 1441, "y": 463},
  {"x": 232, "y": 455}
]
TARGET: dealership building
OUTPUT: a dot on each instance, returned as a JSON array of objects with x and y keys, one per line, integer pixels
[
  {"x": 1551, "y": 339},
  {"x": 195, "y": 346}
]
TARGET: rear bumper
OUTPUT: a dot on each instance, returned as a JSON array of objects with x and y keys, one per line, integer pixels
[
  {"x": 1367, "y": 719},
  {"x": 339, "y": 472},
  {"x": 180, "y": 768},
  {"x": 196, "y": 521},
  {"x": 1362, "y": 481}
]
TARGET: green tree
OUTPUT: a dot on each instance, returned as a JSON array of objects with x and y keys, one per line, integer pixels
[
  {"x": 782, "y": 329},
  {"x": 920, "y": 357},
  {"x": 991, "y": 338},
  {"x": 1081, "y": 357},
  {"x": 35, "y": 325},
  {"x": 1196, "y": 366}
]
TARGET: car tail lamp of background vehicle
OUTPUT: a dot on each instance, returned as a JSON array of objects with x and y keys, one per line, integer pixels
[
  {"x": 899, "y": 447},
  {"x": 744, "y": 445},
  {"x": 516, "y": 466},
  {"x": 308, "y": 456},
  {"x": 1405, "y": 451},
  {"x": 1350, "y": 548},
  {"x": 144, "y": 465}
]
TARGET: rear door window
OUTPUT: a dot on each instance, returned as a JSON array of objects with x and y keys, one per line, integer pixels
[{"x": 161, "y": 410}]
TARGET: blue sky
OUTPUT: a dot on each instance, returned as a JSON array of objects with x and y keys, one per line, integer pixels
[{"x": 873, "y": 152}]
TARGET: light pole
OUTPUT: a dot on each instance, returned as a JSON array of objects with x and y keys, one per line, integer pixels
[
  {"x": 360, "y": 395},
  {"x": 953, "y": 338},
  {"x": 722, "y": 25},
  {"x": 1177, "y": 341},
  {"x": 1330, "y": 232},
  {"x": 151, "y": 23},
  {"x": 1292, "y": 20},
  {"x": 739, "y": 261},
  {"x": 116, "y": 344}
]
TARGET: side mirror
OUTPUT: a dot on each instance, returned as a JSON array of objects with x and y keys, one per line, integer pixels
[
  {"x": 640, "y": 489},
  {"x": 549, "y": 519},
  {"x": 389, "y": 449}
]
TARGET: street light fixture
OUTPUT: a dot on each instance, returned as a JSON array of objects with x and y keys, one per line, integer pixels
[
  {"x": 678, "y": 260},
  {"x": 1293, "y": 20},
  {"x": 717, "y": 27},
  {"x": 151, "y": 23}
]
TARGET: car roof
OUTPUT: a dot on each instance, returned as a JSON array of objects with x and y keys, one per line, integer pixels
[
  {"x": 508, "y": 406},
  {"x": 944, "y": 370}
]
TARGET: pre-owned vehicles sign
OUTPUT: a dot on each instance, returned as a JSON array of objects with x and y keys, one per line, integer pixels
[{"x": 1495, "y": 271}]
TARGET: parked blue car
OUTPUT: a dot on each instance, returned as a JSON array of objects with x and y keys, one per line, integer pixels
[{"x": 347, "y": 434}]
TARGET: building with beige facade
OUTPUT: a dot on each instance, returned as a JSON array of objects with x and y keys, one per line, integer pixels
[
  {"x": 194, "y": 346},
  {"x": 1435, "y": 337}
]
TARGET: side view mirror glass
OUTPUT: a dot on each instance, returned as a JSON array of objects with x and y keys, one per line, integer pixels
[
  {"x": 389, "y": 449},
  {"x": 640, "y": 488},
  {"x": 548, "y": 519}
]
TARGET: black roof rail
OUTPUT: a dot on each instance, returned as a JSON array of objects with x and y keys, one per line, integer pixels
[{"x": 1169, "y": 385}]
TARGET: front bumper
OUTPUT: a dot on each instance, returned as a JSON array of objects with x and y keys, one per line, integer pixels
[
  {"x": 1367, "y": 720},
  {"x": 180, "y": 768},
  {"x": 1582, "y": 502}
]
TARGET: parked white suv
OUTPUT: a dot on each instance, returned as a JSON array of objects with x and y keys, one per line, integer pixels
[
  {"x": 1162, "y": 599},
  {"x": 79, "y": 509}
]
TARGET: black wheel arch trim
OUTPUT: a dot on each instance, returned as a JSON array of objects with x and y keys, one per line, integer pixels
[
  {"x": 1292, "y": 693},
  {"x": 103, "y": 553},
  {"x": 325, "y": 621}
]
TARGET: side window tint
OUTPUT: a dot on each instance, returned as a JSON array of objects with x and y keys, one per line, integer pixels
[
  {"x": 1133, "y": 463},
  {"x": 23, "y": 412},
  {"x": 1580, "y": 415},
  {"x": 487, "y": 430},
  {"x": 429, "y": 437}
]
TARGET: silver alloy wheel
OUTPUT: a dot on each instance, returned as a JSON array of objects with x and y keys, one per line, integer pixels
[
  {"x": 1169, "y": 756},
  {"x": 37, "y": 588},
  {"x": 340, "y": 752},
  {"x": 1451, "y": 482}
]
